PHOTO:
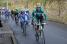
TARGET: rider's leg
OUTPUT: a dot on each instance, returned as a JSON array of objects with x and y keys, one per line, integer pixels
[
  {"x": 42, "y": 21},
  {"x": 37, "y": 36},
  {"x": 37, "y": 32},
  {"x": 32, "y": 22},
  {"x": 22, "y": 26}
]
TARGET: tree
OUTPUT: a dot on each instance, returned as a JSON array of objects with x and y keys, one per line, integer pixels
[{"x": 60, "y": 5}]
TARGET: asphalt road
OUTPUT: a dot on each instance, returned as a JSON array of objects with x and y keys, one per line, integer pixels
[{"x": 55, "y": 33}]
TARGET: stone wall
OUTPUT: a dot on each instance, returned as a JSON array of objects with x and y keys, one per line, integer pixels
[{"x": 53, "y": 11}]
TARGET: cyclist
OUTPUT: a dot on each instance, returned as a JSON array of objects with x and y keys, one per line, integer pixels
[
  {"x": 21, "y": 18},
  {"x": 16, "y": 15},
  {"x": 12, "y": 14},
  {"x": 27, "y": 14},
  {"x": 24, "y": 18},
  {"x": 39, "y": 16},
  {"x": 7, "y": 13}
]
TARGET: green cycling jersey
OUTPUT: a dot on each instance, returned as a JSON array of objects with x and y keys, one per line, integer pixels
[{"x": 41, "y": 11}]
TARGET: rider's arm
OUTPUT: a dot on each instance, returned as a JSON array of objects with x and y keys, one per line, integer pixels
[
  {"x": 45, "y": 15},
  {"x": 46, "y": 18},
  {"x": 33, "y": 15}
]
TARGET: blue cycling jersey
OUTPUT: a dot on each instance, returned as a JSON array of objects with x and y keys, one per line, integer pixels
[
  {"x": 7, "y": 13},
  {"x": 24, "y": 17}
]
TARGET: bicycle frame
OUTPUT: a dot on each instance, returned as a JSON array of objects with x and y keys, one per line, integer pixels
[
  {"x": 23, "y": 26},
  {"x": 41, "y": 31},
  {"x": 16, "y": 19}
]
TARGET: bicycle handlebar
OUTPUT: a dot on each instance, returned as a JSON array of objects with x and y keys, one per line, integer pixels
[
  {"x": 41, "y": 23},
  {"x": 44, "y": 23}
]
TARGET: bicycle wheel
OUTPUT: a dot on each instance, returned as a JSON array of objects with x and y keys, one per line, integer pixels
[
  {"x": 16, "y": 21},
  {"x": 37, "y": 32},
  {"x": 37, "y": 36},
  {"x": 43, "y": 39},
  {"x": 6, "y": 19},
  {"x": 24, "y": 29}
]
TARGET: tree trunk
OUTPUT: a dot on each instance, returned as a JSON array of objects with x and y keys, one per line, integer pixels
[{"x": 59, "y": 8}]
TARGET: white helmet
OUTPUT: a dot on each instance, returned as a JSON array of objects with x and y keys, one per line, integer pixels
[
  {"x": 25, "y": 9},
  {"x": 38, "y": 5}
]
